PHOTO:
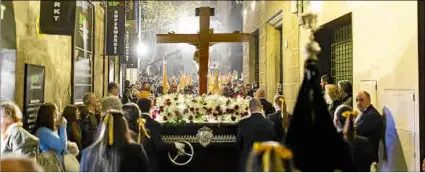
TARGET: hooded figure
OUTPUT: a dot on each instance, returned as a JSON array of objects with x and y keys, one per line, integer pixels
[{"x": 311, "y": 134}]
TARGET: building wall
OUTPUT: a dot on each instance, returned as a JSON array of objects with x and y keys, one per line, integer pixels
[
  {"x": 255, "y": 18},
  {"x": 269, "y": 49},
  {"x": 385, "y": 39},
  {"x": 384, "y": 50},
  {"x": 291, "y": 60},
  {"x": 99, "y": 72},
  {"x": 51, "y": 51}
]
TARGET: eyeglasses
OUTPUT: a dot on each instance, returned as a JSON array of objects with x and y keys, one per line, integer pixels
[{"x": 359, "y": 100}]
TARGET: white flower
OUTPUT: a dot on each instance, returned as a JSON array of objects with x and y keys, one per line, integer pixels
[{"x": 200, "y": 108}]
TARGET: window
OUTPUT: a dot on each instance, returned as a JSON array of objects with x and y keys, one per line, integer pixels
[
  {"x": 336, "y": 55},
  {"x": 342, "y": 54},
  {"x": 83, "y": 51}
]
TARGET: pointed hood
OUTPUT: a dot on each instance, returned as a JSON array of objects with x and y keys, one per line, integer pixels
[{"x": 311, "y": 134}]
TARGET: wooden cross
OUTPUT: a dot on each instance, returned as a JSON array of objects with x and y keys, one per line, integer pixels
[{"x": 202, "y": 42}]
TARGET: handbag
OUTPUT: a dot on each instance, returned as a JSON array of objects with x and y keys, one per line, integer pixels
[
  {"x": 71, "y": 163},
  {"x": 49, "y": 161}
]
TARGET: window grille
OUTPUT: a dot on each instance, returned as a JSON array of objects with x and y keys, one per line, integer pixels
[{"x": 342, "y": 54}]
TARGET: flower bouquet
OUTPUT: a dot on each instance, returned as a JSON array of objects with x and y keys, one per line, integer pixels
[{"x": 181, "y": 109}]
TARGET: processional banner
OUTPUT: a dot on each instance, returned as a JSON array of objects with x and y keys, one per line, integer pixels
[
  {"x": 130, "y": 55},
  {"x": 57, "y": 17},
  {"x": 115, "y": 28}
]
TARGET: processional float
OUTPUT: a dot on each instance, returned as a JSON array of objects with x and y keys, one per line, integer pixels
[{"x": 203, "y": 40}]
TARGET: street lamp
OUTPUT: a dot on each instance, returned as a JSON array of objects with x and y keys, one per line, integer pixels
[{"x": 141, "y": 49}]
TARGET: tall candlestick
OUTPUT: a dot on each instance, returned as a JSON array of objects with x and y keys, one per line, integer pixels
[{"x": 312, "y": 48}]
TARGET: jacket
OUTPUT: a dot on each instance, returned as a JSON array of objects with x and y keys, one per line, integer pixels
[
  {"x": 256, "y": 128},
  {"x": 277, "y": 120},
  {"x": 53, "y": 140},
  {"x": 88, "y": 125},
  {"x": 370, "y": 125},
  {"x": 20, "y": 141},
  {"x": 155, "y": 144},
  {"x": 267, "y": 106}
]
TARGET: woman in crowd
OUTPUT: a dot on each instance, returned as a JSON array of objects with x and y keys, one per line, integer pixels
[
  {"x": 346, "y": 91},
  {"x": 50, "y": 139},
  {"x": 14, "y": 138},
  {"x": 332, "y": 98},
  {"x": 72, "y": 116},
  {"x": 135, "y": 122},
  {"x": 339, "y": 119},
  {"x": 114, "y": 150}
]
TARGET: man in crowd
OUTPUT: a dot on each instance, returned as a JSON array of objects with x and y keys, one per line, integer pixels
[
  {"x": 173, "y": 87},
  {"x": 14, "y": 138},
  {"x": 154, "y": 144},
  {"x": 267, "y": 106},
  {"x": 189, "y": 90},
  {"x": 324, "y": 80},
  {"x": 280, "y": 118},
  {"x": 228, "y": 90},
  {"x": 113, "y": 89},
  {"x": 111, "y": 103},
  {"x": 146, "y": 91},
  {"x": 89, "y": 119},
  {"x": 369, "y": 123},
  {"x": 256, "y": 128},
  {"x": 249, "y": 90}
]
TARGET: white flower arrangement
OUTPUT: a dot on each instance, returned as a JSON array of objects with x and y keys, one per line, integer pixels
[{"x": 179, "y": 108}]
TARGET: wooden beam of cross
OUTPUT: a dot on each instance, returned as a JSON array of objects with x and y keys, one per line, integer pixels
[{"x": 203, "y": 40}]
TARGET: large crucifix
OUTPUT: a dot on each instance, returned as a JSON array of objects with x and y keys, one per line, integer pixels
[{"x": 202, "y": 42}]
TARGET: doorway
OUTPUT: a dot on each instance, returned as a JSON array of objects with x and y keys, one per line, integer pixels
[
  {"x": 256, "y": 34},
  {"x": 280, "y": 56}
]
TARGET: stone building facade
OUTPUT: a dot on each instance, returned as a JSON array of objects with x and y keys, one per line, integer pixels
[
  {"x": 54, "y": 53},
  {"x": 278, "y": 47},
  {"x": 379, "y": 55}
]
